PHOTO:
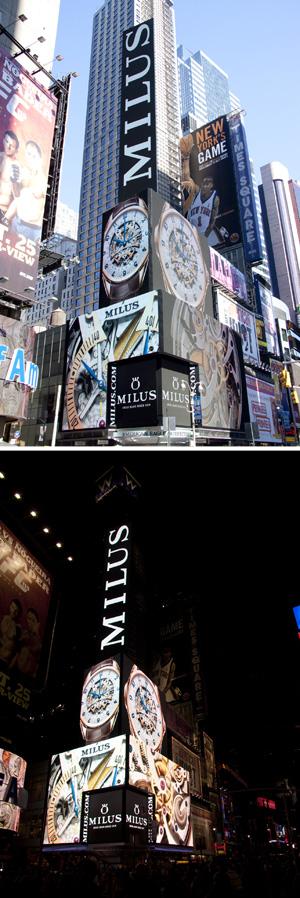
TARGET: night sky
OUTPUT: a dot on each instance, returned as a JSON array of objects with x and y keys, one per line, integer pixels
[{"x": 216, "y": 527}]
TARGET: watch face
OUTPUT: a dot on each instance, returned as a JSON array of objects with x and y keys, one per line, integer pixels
[
  {"x": 181, "y": 258},
  {"x": 100, "y": 697},
  {"x": 86, "y": 387},
  {"x": 126, "y": 245},
  {"x": 144, "y": 710}
]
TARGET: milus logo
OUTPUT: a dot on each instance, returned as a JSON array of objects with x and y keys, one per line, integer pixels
[
  {"x": 135, "y": 383},
  {"x": 179, "y": 394},
  {"x": 104, "y": 809},
  {"x": 136, "y": 809},
  {"x": 137, "y": 396}
]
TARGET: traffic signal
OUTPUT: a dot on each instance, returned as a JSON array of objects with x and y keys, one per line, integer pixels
[
  {"x": 284, "y": 378},
  {"x": 295, "y": 397}
]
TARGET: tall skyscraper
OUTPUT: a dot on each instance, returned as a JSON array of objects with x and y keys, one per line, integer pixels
[
  {"x": 100, "y": 172},
  {"x": 283, "y": 244},
  {"x": 34, "y": 24},
  {"x": 203, "y": 89}
]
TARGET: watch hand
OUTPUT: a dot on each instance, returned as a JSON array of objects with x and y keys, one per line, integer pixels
[
  {"x": 76, "y": 808},
  {"x": 92, "y": 374}
]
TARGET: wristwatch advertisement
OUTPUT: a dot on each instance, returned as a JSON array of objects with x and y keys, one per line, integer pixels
[
  {"x": 143, "y": 706},
  {"x": 125, "y": 250},
  {"x": 184, "y": 270},
  {"x": 100, "y": 701},
  {"x": 112, "y": 333}
]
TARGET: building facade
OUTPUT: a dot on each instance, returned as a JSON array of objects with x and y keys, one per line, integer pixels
[
  {"x": 203, "y": 89},
  {"x": 54, "y": 286},
  {"x": 283, "y": 244},
  {"x": 100, "y": 172}
]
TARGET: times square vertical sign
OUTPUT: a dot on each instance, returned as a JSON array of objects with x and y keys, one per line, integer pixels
[
  {"x": 27, "y": 120},
  {"x": 138, "y": 167}
]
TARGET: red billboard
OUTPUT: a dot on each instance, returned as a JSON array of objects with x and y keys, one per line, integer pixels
[
  {"x": 25, "y": 593},
  {"x": 27, "y": 120}
]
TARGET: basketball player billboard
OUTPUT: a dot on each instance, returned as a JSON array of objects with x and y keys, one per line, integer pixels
[
  {"x": 208, "y": 181},
  {"x": 27, "y": 120}
]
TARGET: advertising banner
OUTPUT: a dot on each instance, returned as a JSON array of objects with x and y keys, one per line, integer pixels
[
  {"x": 119, "y": 331},
  {"x": 149, "y": 245},
  {"x": 265, "y": 308},
  {"x": 120, "y": 815},
  {"x": 142, "y": 393},
  {"x": 263, "y": 411},
  {"x": 138, "y": 127},
  {"x": 191, "y": 762},
  {"x": 25, "y": 593},
  {"x": 18, "y": 374},
  {"x": 227, "y": 275},
  {"x": 98, "y": 765},
  {"x": 261, "y": 332},
  {"x": 217, "y": 350},
  {"x": 27, "y": 120},
  {"x": 12, "y": 777},
  {"x": 245, "y": 192},
  {"x": 283, "y": 404},
  {"x": 202, "y": 828},
  {"x": 208, "y": 182},
  {"x": 242, "y": 321},
  {"x": 169, "y": 783}
]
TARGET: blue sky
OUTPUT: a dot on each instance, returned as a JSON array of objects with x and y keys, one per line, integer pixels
[{"x": 255, "y": 42}]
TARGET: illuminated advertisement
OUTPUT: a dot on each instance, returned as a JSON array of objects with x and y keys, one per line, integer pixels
[
  {"x": 25, "y": 593},
  {"x": 242, "y": 321},
  {"x": 191, "y": 762},
  {"x": 100, "y": 700},
  {"x": 208, "y": 182},
  {"x": 265, "y": 308},
  {"x": 227, "y": 275},
  {"x": 296, "y": 611},
  {"x": 98, "y": 765},
  {"x": 27, "y": 120},
  {"x": 262, "y": 409},
  {"x": 209, "y": 761},
  {"x": 176, "y": 669},
  {"x": 18, "y": 374},
  {"x": 116, "y": 332},
  {"x": 138, "y": 132},
  {"x": 12, "y": 777},
  {"x": 122, "y": 815},
  {"x": 245, "y": 193},
  {"x": 143, "y": 393},
  {"x": 169, "y": 783},
  {"x": 202, "y": 828},
  {"x": 149, "y": 245},
  {"x": 217, "y": 351},
  {"x": 283, "y": 406}
]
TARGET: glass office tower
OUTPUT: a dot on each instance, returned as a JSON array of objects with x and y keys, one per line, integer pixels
[{"x": 100, "y": 171}]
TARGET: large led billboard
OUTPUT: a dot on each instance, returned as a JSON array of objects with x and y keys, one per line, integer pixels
[
  {"x": 12, "y": 776},
  {"x": 263, "y": 410},
  {"x": 138, "y": 167},
  {"x": 242, "y": 321},
  {"x": 265, "y": 309},
  {"x": 25, "y": 594},
  {"x": 96, "y": 766},
  {"x": 27, "y": 120},
  {"x": 170, "y": 784},
  {"x": 227, "y": 275},
  {"x": 18, "y": 374}
]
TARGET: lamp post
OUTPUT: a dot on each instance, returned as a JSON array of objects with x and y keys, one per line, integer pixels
[{"x": 195, "y": 398}]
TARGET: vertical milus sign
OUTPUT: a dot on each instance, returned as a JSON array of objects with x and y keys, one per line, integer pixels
[
  {"x": 138, "y": 136},
  {"x": 116, "y": 572}
]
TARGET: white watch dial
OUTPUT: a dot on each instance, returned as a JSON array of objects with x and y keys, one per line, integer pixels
[
  {"x": 144, "y": 711},
  {"x": 126, "y": 245},
  {"x": 100, "y": 697},
  {"x": 182, "y": 260}
]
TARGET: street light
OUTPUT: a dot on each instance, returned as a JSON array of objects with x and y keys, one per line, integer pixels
[{"x": 195, "y": 398}]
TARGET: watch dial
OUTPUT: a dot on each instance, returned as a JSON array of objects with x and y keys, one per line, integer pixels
[
  {"x": 100, "y": 697},
  {"x": 126, "y": 245},
  {"x": 144, "y": 711},
  {"x": 86, "y": 388},
  {"x": 182, "y": 260}
]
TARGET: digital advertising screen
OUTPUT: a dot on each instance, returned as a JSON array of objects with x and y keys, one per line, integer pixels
[
  {"x": 27, "y": 120},
  {"x": 116, "y": 815},
  {"x": 191, "y": 762},
  {"x": 227, "y": 275},
  {"x": 170, "y": 785},
  {"x": 95, "y": 766},
  {"x": 209, "y": 761},
  {"x": 208, "y": 183},
  {"x": 138, "y": 168},
  {"x": 25, "y": 594},
  {"x": 115, "y": 332},
  {"x": 12, "y": 777},
  {"x": 18, "y": 374},
  {"x": 242, "y": 321},
  {"x": 265, "y": 308}
]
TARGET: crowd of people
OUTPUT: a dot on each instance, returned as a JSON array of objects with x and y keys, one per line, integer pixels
[{"x": 90, "y": 875}]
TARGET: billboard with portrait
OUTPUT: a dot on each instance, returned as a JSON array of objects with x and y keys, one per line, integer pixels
[
  {"x": 208, "y": 183},
  {"x": 242, "y": 321},
  {"x": 27, "y": 120},
  {"x": 18, "y": 374},
  {"x": 96, "y": 766},
  {"x": 25, "y": 594},
  {"x": 12, "y": 777},
  {"x": 170, "y": 784}
]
